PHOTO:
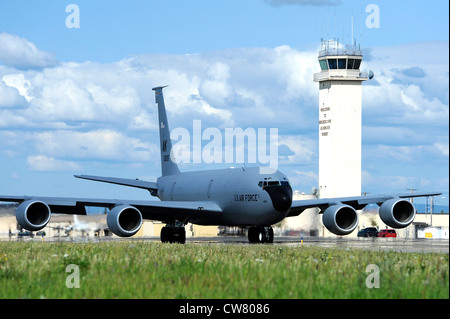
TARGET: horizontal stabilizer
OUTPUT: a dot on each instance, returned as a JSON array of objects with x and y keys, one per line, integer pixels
[{"x": 150, "y": 186}]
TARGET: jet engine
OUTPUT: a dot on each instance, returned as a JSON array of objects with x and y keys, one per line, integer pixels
[
  {"x": 124, "y": 221},
  {"x": 33, "y": 215},
  {"x": 340, "y": 219},
  {"x": 397, "y": 213}
]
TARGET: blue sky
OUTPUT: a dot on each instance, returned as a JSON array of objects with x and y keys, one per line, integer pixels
[
  {"x": 79, "y": 100},
  {"x": 112, "y": 30}
]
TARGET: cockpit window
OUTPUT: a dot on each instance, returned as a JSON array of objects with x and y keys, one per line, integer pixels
[{"x": 263, "y": 184}]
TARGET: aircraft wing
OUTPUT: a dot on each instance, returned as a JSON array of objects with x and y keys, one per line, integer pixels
[
  {"x": 357, "y": 202},
  {"x": 153, "y": 210}
]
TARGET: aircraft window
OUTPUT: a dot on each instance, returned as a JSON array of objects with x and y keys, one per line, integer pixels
[
  {"x": 357, "y": 64},
  {"x": 332, "y": 63},
  {"x": 268, "y": 183},
  {"x": 341, "y": 64},
  {"x": 272, "y": 183},
  {"x": 323, "y": 65}
]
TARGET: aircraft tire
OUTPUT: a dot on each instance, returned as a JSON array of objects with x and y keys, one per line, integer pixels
[
  {"x": 179, "y": 235},
  {"x": 253, "y": 234},
  {"x": 166, "y": 235},
  {"x": 260, "y": 235},
  {"x": 173, "y": 235},
  {"x": 269, "y": 238}
]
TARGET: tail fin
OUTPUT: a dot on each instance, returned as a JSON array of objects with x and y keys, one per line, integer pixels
[{"x": 168, "y": 165}]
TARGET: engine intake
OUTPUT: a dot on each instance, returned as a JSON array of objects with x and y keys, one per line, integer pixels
[
  {"x": 340, "y": 219},
  {"x": 397, "y": 213},
  {"x": 124, "y": 221},
  {"x": 33, "y": 215}
]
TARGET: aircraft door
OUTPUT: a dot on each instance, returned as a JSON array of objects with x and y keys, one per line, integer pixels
[
  {"x": 172, "y": 190},
  {"x": 209, "y": 189}
]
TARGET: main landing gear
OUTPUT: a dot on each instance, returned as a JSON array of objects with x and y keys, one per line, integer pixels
[
  {"x": 173, "y": 234},
  {"x": 260, "y": 235}
]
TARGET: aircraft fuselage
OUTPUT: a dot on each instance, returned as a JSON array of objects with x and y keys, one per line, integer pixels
[{"x": 246, "y": 196}]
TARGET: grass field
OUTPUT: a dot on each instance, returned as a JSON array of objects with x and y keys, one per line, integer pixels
[{"x": 136, "y": 269}]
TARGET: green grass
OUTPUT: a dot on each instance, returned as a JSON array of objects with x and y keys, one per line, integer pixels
[{"x": 134, "y": 269}]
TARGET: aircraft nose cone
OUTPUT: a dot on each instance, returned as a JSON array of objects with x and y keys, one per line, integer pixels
[{"x": 281, "y": 197}]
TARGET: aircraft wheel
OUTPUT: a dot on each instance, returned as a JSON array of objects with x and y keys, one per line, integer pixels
[
  {"x": 166, "y": 234},
  {"x": 253, "y": 235},
  {"x": 260, "y": 235},
  {"x": 179, "y": 235},
  {"x": 269, "y": 238},
  {"x": 173, "y": 235}
]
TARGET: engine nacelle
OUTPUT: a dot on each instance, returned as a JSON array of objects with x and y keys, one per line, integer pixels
[
  {"x": 340, "y": 219},
  {"x": 124, "y": 221},
  {"x": 397, "y": 213},
  {"x": 33, "y": 215}
]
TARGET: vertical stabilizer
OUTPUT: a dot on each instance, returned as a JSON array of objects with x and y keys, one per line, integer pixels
[{"x": 168, "y": 166}]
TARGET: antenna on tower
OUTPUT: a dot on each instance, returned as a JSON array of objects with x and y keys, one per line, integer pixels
[{"x": 352, "y": 29}]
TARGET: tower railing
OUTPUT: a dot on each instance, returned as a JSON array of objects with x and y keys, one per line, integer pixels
[{"x": 340, "y": 51}]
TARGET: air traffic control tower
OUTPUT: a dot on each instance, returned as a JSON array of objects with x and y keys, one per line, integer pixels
[{"x": 340, "y": 99}]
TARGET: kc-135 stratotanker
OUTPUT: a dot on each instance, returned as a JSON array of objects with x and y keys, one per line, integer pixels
[{"x": 230, "y": 197}]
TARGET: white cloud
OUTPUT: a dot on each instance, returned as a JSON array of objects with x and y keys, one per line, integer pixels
[
  {"x": 215, "y": 87},
  {"x": 399, "y": 98},
  {"x": 10, "y": 97},
  {"x": 106, "y": 145},
  {"x": 23, "y": 54},
  {"x": 18, "y": 81},
  {"x": 419, "y": 105},
  {"x": 223, "y": 87},
  {"x": 392, "y": 135},
  {"x": 443, "y": 148},
  {"x": 44, "y": 163},
  {"x": 303, "y": 150}
]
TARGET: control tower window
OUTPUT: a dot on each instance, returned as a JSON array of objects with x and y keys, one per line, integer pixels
[
  {"x": 357, "y": 64},
  {"x": 341, "y": 64},
  {"x": 323, "y": 65},
  {"x": 332, "y": 63},
  {"x": 350, "y": 64}
]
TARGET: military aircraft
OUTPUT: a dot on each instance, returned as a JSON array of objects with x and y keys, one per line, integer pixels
[{"x": 248, "y": 197}]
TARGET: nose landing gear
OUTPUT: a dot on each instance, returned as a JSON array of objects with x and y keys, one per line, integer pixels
[{"x": 260, "y": 235}]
